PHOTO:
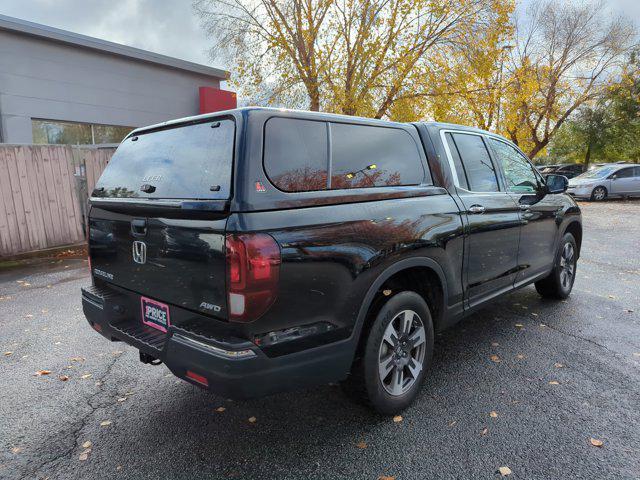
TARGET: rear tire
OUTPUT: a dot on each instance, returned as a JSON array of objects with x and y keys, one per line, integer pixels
[
  {"x": 396, "y": 355},
  {"x": 559, "y": 283},
  {"x": 598, "y": 194}
]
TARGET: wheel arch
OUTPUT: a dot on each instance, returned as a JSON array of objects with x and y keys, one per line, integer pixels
[
  {"x": 428, "y": 281},
  {"x": 575, "y": 228}
]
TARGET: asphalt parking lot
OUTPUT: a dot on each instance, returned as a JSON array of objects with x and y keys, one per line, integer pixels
[{"x": 524, "y": 384}]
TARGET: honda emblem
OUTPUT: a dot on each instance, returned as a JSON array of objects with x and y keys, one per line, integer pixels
[{"x": 139, "y": 252}]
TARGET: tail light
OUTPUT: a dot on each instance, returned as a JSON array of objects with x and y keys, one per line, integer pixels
[
  {"x": 253, "y": 270},
  {"x": 90, "y": 269}
]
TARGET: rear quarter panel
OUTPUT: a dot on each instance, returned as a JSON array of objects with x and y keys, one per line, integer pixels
[{"x": 331, "y": 255}]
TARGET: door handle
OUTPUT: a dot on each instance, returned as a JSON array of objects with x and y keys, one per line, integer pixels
[{"x": 476, "y": 209}]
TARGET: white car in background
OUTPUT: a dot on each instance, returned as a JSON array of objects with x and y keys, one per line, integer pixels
[{"x": 615, "y": 180}]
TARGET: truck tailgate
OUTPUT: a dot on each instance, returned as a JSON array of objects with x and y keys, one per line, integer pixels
[{"x": 183, "y": 264}]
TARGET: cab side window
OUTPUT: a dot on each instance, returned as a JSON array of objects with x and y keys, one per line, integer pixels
[
  {"x": 457, "y": 161},
  {"x": 518, "y": 172},
  {"x": 624, "y": 173},
  {"x": 478, "y": 169}
]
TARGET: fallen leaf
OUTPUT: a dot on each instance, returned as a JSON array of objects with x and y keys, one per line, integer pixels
[
  {"x": 87, "y": 444},
  {"x": 554, "y": 382},
  {"x": 63, "y": 378},
  {"x": 119, "y": 467},
  {"x": 28, "y": 315},
  {"x": 504, "y": 471},
  {"x": 16, "y": 450},
  {"x": 105, "y": 423},
  {"x": 484, "y": 431},
  {"x": 495, "y": 358},
  {"x": 6, "y": 354},
  {"x": 452, "y": 424},
  {"x": 519, "y": 356},
  {"x": 118, "y": 352},
  {"x": 493, "y": 414},
  {"x": 26, "y": 284},
  {"x": 77, "y": 359},
  {"x": 42, "y": 372},
  {"x": 220, "y": 409},
  {"x": 611, "y": 296},
  {"x": 252, "y": 419},
  {"x": 361, "y": 445},
  {"x": 122, "y": 399},
  {"x": 385, "y": 477},
  {"x": 83, "y": 457},
  {"x": 86, "y": 375},
  {"x": 596, "y": 443},
  {"x": 397, "y": 418},
  {"x": 558, "y": 365}
]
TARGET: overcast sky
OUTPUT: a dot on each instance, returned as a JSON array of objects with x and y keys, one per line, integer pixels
[{"x": 163, "y": 26}]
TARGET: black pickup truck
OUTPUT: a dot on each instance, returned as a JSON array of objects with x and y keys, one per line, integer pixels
[{"x": 259, "y": 250}]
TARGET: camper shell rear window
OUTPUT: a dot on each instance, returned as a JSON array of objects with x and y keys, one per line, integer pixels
[{"x": 193, "y": 161}]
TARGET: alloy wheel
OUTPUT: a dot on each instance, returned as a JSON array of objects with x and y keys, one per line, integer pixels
[
  {"x": 567, "y": 265},
  {"x": 401, "y": 353},
  {"x": 599, "y": 193}
]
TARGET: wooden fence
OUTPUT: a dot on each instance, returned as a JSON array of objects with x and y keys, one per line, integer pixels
[{"x": 43, "y": 194}]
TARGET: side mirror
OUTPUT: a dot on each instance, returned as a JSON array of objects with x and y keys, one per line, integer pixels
[
  {"x": 557, "y": 183},
  {"x": 614, "y": 177}
]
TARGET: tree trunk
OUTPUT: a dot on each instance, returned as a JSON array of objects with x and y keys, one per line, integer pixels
[
  {"x": 314, "y": 94},
  {"x": 537, "y": 148},
  {"x": 587, "y": 157}
]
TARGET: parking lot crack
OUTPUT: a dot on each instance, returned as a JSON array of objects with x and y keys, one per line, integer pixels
[
  {"x": 80, "y": 424},
  {"x": 579, "y": 337}
]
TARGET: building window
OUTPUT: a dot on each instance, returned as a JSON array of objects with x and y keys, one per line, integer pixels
[{"x": 72, "y": 133}]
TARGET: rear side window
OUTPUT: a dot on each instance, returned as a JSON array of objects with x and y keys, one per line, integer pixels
[
  {"x": 296, "y": 153},
  {"x": 299, "y": 154},
  {"x": 478, "y": 168},
  {"x": 625, "y": 173},
  {"x": 184, "y": 162},
  {"x": 457, "y": 161},
  {"x": 364, "y": 156}
]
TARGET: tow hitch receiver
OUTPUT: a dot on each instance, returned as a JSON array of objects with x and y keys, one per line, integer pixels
[{"x": 146, "y": 358}]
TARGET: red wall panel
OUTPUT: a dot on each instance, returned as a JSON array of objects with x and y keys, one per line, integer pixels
[{"x": 214, "y": 100}]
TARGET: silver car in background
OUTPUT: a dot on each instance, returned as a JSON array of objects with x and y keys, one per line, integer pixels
[{"x": 615, "y": 180}]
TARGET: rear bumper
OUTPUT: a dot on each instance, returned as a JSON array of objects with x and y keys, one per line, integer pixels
[{"x": 231, "y": 367}]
